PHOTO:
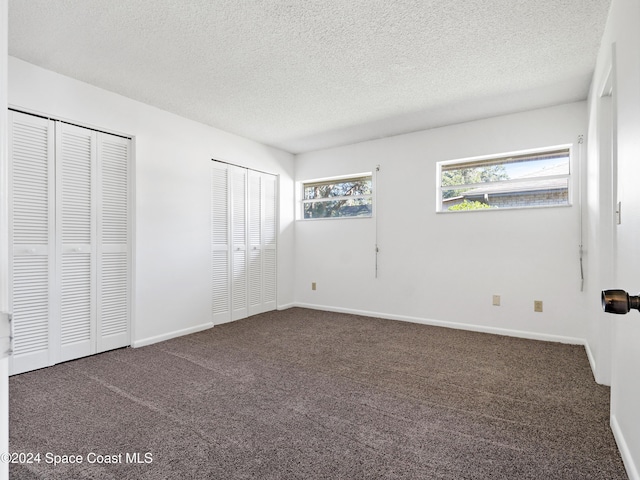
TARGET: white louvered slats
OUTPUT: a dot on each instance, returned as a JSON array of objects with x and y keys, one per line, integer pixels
[
  {"x": 255, "y": 280},
  {"x": 255, "y": 242},
  {"x": 255, "y": 203},
  {"x": 30, "y": 179},
  {"x": 239, "y": 286},
  {"x": 31, "y": 303},
  {"x": 76, "y": 238},
  {"x": 220, "y": 272},
  {"x": 239, "y": 276},
  {"x": 219, "y": 205},
  {"x": 113, "y": 301},
  {"x": 31, "y": 225},
  {"x": 270, "y": 201},
  {"x": 269, "y": 279},
  {"x": 113, "y": 156},
  {"x": 239, "y": 207},
  {"x": 243, "y": 239},
  {"x": 69, "y": 228},
  {"x": 221, "y": 309},
  {"x": 75, "y": 304},
  {"x": 113, "y": 318},
  {"x": 269, "y": 241},
  {"x": 76, "y": 161}
]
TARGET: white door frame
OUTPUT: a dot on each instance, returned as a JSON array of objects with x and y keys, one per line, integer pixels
[{"x": 4, "y": 232}]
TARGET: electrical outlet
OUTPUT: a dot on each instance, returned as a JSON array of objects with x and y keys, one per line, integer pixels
[
  {"x": 313, "y": 285},
  {"x": 537, "y": 305},
  {"x": 496, "y": 300}
]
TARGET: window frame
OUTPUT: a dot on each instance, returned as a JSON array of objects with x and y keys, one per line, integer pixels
[
  {"x": 497, "y": 159},
  {"x": 336, "y": 179}
]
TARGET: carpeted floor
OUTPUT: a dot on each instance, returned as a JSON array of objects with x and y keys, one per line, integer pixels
[{"x": 302, "y": 394}]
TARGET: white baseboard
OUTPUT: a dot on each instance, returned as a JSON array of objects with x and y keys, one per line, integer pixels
[
  {"x": 388, "y": 316},
  {"x": 446, "y": 324},
  {"x": 592, "y": 360},
  {"x": 625, "y": 452},
  {"x": 226, "y": 320},
  {"x": 167, "y": 336}
]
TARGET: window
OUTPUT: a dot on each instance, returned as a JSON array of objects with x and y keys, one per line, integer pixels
[
  {"x": 521, "y": 180},
  {"x": 338, "y": 198}
]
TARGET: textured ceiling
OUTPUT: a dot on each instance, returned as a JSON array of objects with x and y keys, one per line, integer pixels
[{"x": 308, "y": 74}]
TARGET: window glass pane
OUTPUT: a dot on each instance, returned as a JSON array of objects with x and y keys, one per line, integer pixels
[
  {"x": 471, "y": 175},
  {"x": 506, "y": 169},
  {"x": 539, "y": 168},
  {"x": 356, "y": 207},
  {"x": 529, "y": 180},
  {"x": 510, "y": 195},
  {"x": 356, "y": 186}
]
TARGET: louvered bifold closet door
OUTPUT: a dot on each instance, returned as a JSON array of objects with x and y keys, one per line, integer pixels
[
  {"x": 269, "y": 241},
  {"x": 220, "y": 243},
  {"x": 31, "y": 227},
  {"x": 244, "y": 241},
  {"x": 113, "y": 255},
  {"x": 76, "y": 239},
  {"x": 239, "y": 277},
  {"x": 255, "y": 243}
]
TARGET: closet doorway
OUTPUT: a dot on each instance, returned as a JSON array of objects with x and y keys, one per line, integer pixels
[
  {"x": 243, "y": 241},
  {"x": 70, "y": 231}
]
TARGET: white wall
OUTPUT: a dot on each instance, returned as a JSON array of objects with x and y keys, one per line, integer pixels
[
  {"x": 623, "y": 36},
  {"x": 446, "y": 267},
  {"x": 172, "y": 194}
]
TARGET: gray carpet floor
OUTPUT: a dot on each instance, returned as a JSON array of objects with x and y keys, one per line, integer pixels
[{"x": 302, "y": 394}]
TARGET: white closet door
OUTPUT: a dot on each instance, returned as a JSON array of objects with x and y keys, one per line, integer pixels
[
  {"x": 113, "y": 279},
  {"x": 220, "y": 243},
  {"x": 269, "y": 241},
  {"x": 255, "y": 242},
  {"x": 31, "y": 227},
  {"x": 239, "y": 277},
  {"x": 244, "y": 247},
  {"x": 262, "y": 242},
  {"x": 76, "y": 239},
  {"x": 70, "y": 234}
]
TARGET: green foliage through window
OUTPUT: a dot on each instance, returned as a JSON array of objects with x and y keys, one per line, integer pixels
[
  {"x": 347, "y": 197},
  {"x": 470, "y": 176},
  {"x": 467, "y": 205}
]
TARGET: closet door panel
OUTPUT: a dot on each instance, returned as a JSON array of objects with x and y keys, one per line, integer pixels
[
  {"x": 113, "y": 255},
  {"x": 239, "y": 275},
  {"x": 255, "y": 242},
  {"x": 269, "y": 283},
  {"x": 220, "y": 243},
  {"x": 76, "y": 306},
  {"x": 76, "y": 238},
  {"x": 69, "y": 230},
  {"x": 269, "y": 241},
  {"x": 244, "y": 242},
  {"x": 239, "y": 288},
  {"x": 255, "y": 280},
  {"x": 31, "y": 227}
]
